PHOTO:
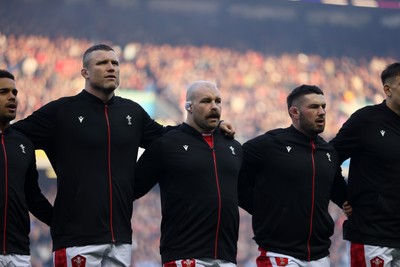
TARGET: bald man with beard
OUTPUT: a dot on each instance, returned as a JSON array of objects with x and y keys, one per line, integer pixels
[{"x": 196, "y": 168}]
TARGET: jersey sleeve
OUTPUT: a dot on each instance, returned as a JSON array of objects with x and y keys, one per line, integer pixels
[
  {"x": 348, "y": 138},
  {"x": 147, "y": 170},
  {"x": 37, "y": 203},
  {"x": 252, "y": 157},
  {"x": 152, "y": 130},
  {"x": 39, "y": 126},
  {"x": 339, "y": 189}
]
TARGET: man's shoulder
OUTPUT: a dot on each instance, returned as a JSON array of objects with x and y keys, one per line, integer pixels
[
  {"x": 277, "y": 132},
  {"x": 124, "y": 100},
  {"x": 272, "y": 134},
  {"x": 168, "y": 140},
  {"x": 176, "y": 132},
  {"x": 129, "y": 104},
  {"x": 20, "y": 136},
  {"x": 263, "y": 139},
  {"x": 368, "y": 111},
  {"x": 60, "y": 102}
]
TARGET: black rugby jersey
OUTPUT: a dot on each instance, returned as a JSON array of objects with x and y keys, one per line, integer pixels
[
  {"x": 93, "y": 148},
  {"x": 371, "y": 139},
  {"x": 199, "y": 196}
]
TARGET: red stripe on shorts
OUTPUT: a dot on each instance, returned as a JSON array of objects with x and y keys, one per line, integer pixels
[
  {"x": 357, "y": 255},
  {"x": 60, "y": 258},
  {"x": 262, "y": 260},
  {"x": 170, "y": 264}
]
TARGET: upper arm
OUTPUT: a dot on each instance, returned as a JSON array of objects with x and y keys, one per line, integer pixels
[
  {"x": 37, "y": 203},
  {"x": 151, "y": 130},
  {"x": 347, "y": 139},
  {"x": 147, "y": 170},
  {"x": 339, "y": 189},
  {"x": 39, "y": 126}
]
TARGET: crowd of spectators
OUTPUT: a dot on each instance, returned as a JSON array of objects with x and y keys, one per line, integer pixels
[{"x": 254, "y": 87}]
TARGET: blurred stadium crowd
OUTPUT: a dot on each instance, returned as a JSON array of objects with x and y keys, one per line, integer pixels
[{"x": 253, "y": 85}]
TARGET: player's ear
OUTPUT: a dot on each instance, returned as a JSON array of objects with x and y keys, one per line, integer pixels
[
  {"x": 294, "y": 111},
  {"x": 188, "y": 106},
  {"x": 387, "y": 90},
  {"x": 85, "y": 73}
]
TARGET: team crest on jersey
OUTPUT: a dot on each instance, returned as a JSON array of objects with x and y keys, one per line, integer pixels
[
  {"x": 377, "y": 262},
  {"x": 280, "y": 261},
  {"x": 129, "y": 119},
  {"x": 78, "y": 261},
  {"x": 22, "y": 148},
  {"x": 328, "y": 156},
  {"x": 188, "y": 263}
]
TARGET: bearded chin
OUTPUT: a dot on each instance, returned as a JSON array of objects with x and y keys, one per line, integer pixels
[
  {"x": 10, "y": 117},
  {"x": 319, "y": 130}
]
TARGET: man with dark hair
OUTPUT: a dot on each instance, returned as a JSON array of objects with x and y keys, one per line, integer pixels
[
  {"x": 292, "y": 174},
  {"x": 19, "y": 188},
  {"x": 92, "y": 141},
  {"x": 371, "y": 139}
]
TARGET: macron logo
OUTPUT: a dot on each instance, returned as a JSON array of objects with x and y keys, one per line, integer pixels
[
  {"x": 382, "y": 132},
  {"x": 80, "y": 118},
  {"x": 288, "y": 148},
  {"x": 186, "y": 147}
]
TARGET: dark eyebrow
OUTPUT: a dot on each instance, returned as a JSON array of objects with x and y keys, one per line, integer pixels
[
  {"x": 315, "y": 105},
  {"x": 13, "y": 90}
]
